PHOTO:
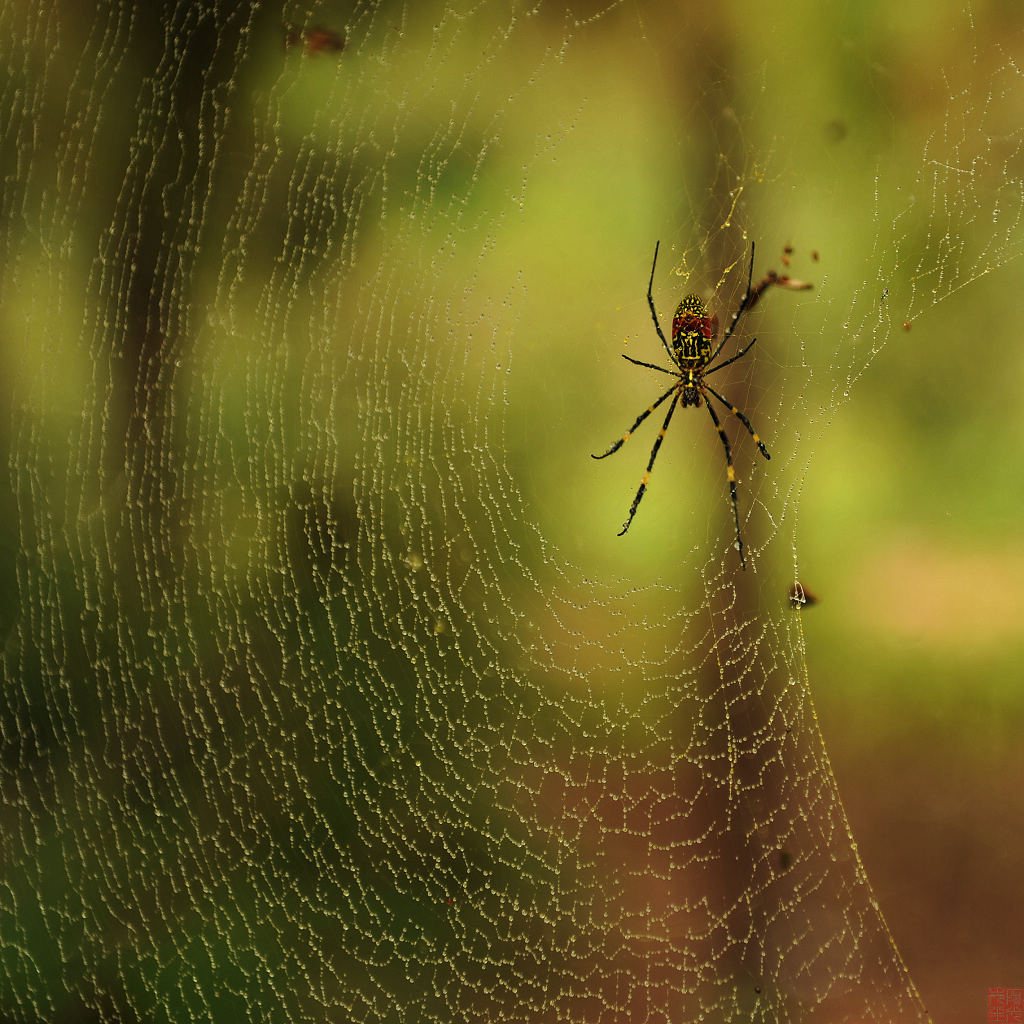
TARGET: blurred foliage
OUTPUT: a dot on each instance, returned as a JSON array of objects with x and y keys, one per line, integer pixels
[{"x": 704, "y": 127}]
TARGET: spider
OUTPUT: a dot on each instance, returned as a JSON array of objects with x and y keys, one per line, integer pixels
[{"x": 693, "y": 332}]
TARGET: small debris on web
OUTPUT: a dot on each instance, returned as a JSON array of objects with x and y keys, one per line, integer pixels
[
  {"x": 800, "y": 596},
  {"x": 315, "y": 39}
]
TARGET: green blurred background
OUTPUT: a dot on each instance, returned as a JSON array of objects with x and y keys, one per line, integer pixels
[{"x": 881, "y": 142}]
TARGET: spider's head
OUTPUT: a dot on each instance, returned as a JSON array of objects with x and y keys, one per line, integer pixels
[{"x": 692, "y": 331}]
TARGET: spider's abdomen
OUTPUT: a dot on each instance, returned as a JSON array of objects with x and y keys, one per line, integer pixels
[{"x": 692, "y": 331}]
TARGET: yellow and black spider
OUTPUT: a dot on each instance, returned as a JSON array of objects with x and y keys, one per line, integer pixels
[{"x": 692, "y": 334}]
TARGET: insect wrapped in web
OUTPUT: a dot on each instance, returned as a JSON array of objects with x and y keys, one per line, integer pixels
[{"x": 693, "y": 360}]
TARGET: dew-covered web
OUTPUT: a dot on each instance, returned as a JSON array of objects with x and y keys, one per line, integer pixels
[{"x": 329, "y": 691}]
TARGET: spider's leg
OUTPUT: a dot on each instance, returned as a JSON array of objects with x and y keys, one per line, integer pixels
[
  {"x": 650, "y": 302},
  {"x": 650, "y": 466},
  {"x": 626, "y": 436},
  {"x": 739, "y": 355},
  {"x": 739, "y": 312},
  {"x": 651, "y": 366},
  {"x": 731, "y": 470},
  {"x": 743, "y": 419}
]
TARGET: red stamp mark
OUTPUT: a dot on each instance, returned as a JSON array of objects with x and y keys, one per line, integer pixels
[{"x": 1005, "y": 1006}]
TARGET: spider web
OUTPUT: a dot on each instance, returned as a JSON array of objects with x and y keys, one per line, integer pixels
[{"x": 329, "y": 692}]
